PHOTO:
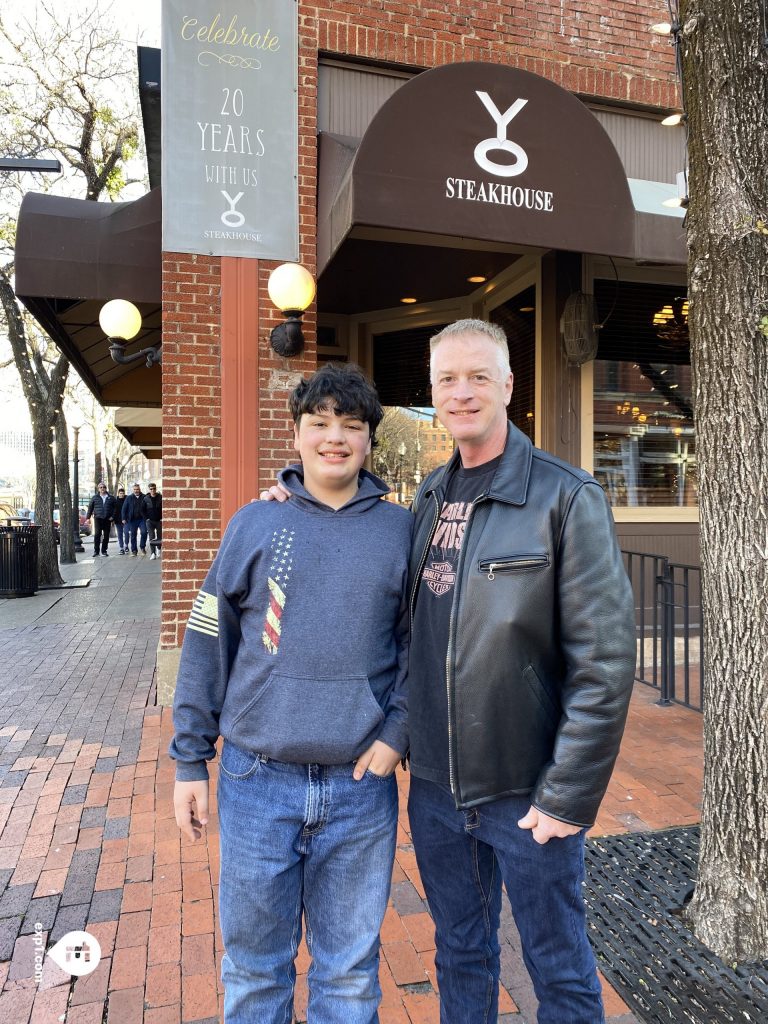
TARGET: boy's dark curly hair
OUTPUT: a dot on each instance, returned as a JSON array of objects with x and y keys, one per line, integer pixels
[{"x": 342, "y": 387}]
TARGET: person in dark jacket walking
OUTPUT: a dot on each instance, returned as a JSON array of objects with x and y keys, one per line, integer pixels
[
  {"x": 153, "y": 514},
  {"x": 133, "y": 517},
  {"x": 101, "y": 509},
  {"x": 117, "y": 518}
]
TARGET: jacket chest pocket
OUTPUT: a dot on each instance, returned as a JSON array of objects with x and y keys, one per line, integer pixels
[{"x": 518, "y": 562}]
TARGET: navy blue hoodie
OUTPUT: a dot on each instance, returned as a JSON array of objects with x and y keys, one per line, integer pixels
[{"x": 296, "y": 644}]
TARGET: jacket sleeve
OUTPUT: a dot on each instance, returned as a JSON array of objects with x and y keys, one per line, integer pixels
[
  {"x": 597, "y": 632},
  {"x": 89, "y": 510},
  {"x": 210, "y": 645},
  {"x": 124, "y": 509}
]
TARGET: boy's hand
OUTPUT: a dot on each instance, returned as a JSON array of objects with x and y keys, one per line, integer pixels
[
  {"x": 379, "y": 758},
  {"x": 190, "y": 802},
  {"x": 275, "y": 493}
]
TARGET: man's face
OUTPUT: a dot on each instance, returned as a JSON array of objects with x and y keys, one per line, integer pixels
[
  {"x": 332, "y": 448},
  {"x": 470, "y": 391},
  {"x": 136, "y": 489},
  {"x": 102, "y": 489},
  {"x": 153, "y": 490},
  {"x": 121, "y": 493}
]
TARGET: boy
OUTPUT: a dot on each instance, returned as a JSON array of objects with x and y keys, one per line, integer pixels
[{"x": 295, "y": 654}]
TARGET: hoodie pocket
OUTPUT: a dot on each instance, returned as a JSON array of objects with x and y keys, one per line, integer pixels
[{"x": 309, "y": 719}]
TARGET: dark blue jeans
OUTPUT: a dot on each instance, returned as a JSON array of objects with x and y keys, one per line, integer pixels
[
  {"x": 137, "y": 526},
  {"x": 463, "y": 858}
]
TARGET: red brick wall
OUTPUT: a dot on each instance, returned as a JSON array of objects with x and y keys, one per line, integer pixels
[
  {"x": 191, "y": 431},
  {"x": 586, "y": 46}
]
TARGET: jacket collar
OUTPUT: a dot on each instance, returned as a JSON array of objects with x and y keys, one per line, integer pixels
[{"x": 510, "y": 481}]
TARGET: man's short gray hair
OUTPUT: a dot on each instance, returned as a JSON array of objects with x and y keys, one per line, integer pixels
[{"x": 463, "y": 328}]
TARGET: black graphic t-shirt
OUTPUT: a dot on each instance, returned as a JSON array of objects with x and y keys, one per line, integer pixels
[{"x": 427, "y": 695}]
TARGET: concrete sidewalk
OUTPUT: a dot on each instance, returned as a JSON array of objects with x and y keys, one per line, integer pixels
[
  {"x": 117, "y": 587},
  {"x": 88, "y": 838}
]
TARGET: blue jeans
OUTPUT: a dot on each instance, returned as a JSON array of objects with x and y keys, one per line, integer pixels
[
  {"x": 463, "y": 857},
  {"x": 137, "y": 526},
  {"x": 297, "y": 837}
]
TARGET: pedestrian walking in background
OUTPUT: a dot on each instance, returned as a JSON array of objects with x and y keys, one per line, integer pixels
[
  {"x": 153, "y": 514},
  {"x": 101, "y": 509},
  {"x": 133, "y": 518},
  {"x": 117, "y": 519}
]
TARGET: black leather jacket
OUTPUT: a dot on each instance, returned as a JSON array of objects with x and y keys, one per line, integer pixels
[{"x": 541, "y": 652}]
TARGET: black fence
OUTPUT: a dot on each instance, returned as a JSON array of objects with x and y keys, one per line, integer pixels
[{"x": 669, "y": 627}]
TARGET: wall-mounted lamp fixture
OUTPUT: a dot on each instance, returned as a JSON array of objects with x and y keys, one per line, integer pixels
[
  {"x": 120, "y": 320},
  {"x": 291, "y": 288}
]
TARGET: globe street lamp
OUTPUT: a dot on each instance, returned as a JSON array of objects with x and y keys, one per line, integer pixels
[{"x": 291, "y": 288}]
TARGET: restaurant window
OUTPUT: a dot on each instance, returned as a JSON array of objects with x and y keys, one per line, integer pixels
[{"x": 644, "y": 441}]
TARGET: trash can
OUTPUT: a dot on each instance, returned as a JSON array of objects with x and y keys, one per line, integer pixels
[{"x": 18, "y": 558}]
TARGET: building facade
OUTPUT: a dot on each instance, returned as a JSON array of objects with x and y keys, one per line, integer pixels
[{"x": 399, "y": 200}]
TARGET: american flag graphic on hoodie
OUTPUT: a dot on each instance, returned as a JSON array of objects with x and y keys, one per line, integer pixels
[{"x": 277, "y": 580}]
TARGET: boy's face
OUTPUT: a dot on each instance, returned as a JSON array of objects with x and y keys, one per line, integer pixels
[{"x": 332, "y": 448}]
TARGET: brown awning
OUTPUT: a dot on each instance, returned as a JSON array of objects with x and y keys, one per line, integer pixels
[
  {"x": 142, "y": 428},
  {"x": 490, "y": 153},
  {"x": 72, "y": 256}
]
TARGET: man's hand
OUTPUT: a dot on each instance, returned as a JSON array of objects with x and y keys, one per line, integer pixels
[
  {"x": 190, "y": 802},
  {"x": 543, "y": 828},
  {"x": 275, "y": 493},
  {"x": 379, "y": 758}
]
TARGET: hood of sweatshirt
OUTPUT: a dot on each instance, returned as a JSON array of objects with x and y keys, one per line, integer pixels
[{"x": 370, "y": 489}]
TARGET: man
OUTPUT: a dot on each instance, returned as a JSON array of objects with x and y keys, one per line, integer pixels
[
  {"x": 521, "y": 667},
  {"x": 153, "y": 515},
  {"x": 133, "y": 518},
  {"x": 117, "y": 517},
  {"x": 101, "y": 508}
]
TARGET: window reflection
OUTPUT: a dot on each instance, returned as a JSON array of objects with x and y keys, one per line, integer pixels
[{"x": 644, "y": 443}]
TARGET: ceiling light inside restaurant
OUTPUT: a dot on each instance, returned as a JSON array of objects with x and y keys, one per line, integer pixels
[
  {"x": 477, "y": 279},
  {"x": 409, "y": 301}
]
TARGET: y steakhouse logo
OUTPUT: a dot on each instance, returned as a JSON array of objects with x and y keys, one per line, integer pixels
[{"x": 495, "y": 192}]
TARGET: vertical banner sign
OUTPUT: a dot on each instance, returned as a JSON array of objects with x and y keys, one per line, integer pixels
[{"x": 230, "y": 128}]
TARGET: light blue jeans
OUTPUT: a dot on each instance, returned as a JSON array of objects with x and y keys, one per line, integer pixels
[{"x": 302, "y": 838}]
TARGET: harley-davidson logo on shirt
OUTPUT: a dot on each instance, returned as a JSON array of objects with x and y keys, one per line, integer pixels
[{"x": 440, "y": 569}]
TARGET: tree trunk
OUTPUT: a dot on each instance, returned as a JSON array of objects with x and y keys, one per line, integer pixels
[
  {"x": 66, "y": 511},
  {"x": 44, "y": 392},
  {"x": 726, "y": 98},
  {"x": 47, "y": 560}
]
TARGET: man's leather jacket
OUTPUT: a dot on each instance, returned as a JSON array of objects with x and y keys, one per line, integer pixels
[{"x": 541, "y": 653}]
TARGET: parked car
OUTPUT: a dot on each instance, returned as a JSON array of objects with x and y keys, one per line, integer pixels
[{"x": 85, "y": 526}]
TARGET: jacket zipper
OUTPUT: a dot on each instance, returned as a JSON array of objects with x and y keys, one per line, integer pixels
[
  {"x": 511, "y": 564},
  {"x": 454, "y": 605}
]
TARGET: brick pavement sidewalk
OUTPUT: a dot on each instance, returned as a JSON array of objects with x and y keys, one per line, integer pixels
[{"x": 88, "y": 840}]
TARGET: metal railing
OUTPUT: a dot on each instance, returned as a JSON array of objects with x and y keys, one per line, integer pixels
[{"x": 669, "y": 627}]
